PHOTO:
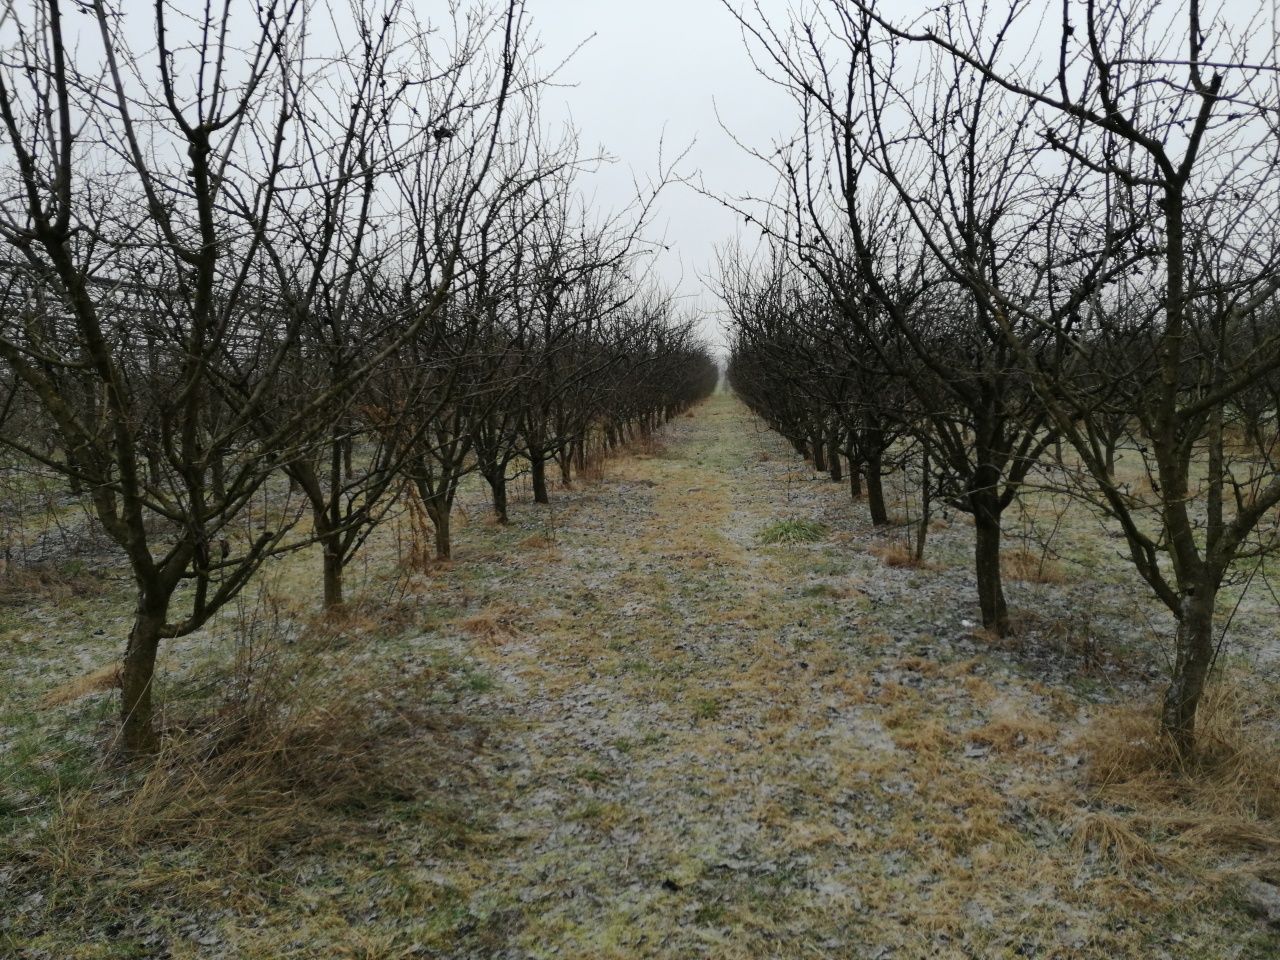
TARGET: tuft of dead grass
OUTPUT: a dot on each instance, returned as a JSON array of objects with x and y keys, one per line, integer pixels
[
  {"x": 1234, "y": 772},
  {"x": 1030, "y": 567},
  {"x": 1116, "y": 838},
  {"x": 1009, "y": 731},
  {"x": 299, "y": 746},
  {"x": 279, "y": 756},
  {"x": 48, "y": 583},
  {"x": 97, "y": 681},
  {"x": 898, "y": 555},
  {"x": 494, "y": 624},
  {"x": 1226, "y": 798}
]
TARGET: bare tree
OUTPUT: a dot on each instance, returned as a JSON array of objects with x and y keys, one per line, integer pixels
[
  {"x": 1127, "y": 246},
  {"x": 975, "y": 411},
  {"x": 154, "y": 213},
  {"x": 1169, "y": 118}
]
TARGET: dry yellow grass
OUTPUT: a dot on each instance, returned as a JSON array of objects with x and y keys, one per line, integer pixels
[
  {"x": 97, "y": 681},
  {"x": 47, "y": 583},
  {"x": 1231, "y": 791},
  {"x": 1031, "y": 567},
  {"x": 1009, "y": 731},
  {"x": 494, "y": 624},
  {"x": 1117, "y": 838},
  {"x": 1158, "y": 819},
  {"x": 921, "y": 736},
  {"x": 927, "y": 668},
  {"x": 275, "y": 759},
  {"x": 899, "y": 555}
]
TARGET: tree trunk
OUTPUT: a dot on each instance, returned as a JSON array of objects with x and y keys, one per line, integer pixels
[
  {"x": 218, "y": 477},
  {"x": 875, "y": 492},
  {"x": 538, "y": 467},
  {"x": 1194, "y": 656},
  {"x": 566, "y": 469},
  {"x": 498, "y": 485},
  {"x": 819, "y": 453},
  {"x": 73, "y": 469},
  {"x": 154, "y": 467},
  {"x": 439, "y": 512},
  {"x": 995, "y": 615},
  {"x": 926, "y": 502},
  {"x": 833, "y": 459},
  {"x": 855, "y": 480},
  {"x": 138, "y": 734},
  {"x": 332, "y": 572}
]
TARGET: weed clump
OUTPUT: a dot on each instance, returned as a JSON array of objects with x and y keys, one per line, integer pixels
[
  {"x": 1226, "y": 797},
  {"x": 794, "y": 531},
  {"x": 1031, "y": 567}
]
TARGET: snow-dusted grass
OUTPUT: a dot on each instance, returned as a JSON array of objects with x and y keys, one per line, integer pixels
[{"x": 628, "y": 726}]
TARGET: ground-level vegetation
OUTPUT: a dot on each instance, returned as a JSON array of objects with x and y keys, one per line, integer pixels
[
  {"x": 641, "y": 722},
  {"x": 381, "y": 574}
]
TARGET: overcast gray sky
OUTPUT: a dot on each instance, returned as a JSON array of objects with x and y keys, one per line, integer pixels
[{"x": 659, "y": 70}]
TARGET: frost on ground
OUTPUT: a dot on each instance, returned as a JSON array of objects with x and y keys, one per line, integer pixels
[{"x": 682, "y": 740}]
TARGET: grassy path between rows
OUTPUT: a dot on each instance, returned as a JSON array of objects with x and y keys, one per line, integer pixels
[
  {"x": 718, "y": 747},
  {"x": 648, "y": 732}
]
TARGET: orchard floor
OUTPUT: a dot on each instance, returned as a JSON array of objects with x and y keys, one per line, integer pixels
[{"x": 668, "y": 738}]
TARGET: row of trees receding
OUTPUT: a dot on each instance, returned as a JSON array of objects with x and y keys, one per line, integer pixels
[
  {"x": 979, "y": 257},
  {"x": 272, "y": 271}
]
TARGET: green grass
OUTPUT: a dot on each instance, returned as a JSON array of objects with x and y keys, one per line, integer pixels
[
  {"x": 478, "y": 682},
  {"x": 821, "y": 590},
  {"x": 588, "y": 810},
  {"x": 793, "y": 531},
  {"x": 709, "y": 915},
  {"x": 707, "y": 708}
]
